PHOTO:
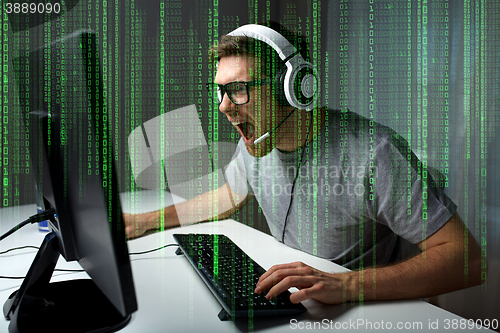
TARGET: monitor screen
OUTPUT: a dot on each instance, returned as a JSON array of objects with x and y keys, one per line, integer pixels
[{"x": 70, "y": 144}]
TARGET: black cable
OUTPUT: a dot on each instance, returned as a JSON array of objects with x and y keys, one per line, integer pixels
[
  {"x": 14, "y": 249},
  {"x": 144, "y": 252},
  {"x": 16, "y": 228},
  {"x": 45, "y": 215},
  {"x": 71, "y": 270},
  {"x": 136, "y": 253},
  {"x": 20, "y": 248},
  {"x": 68, "y": 270},
  {"x": 295, "y": 180},
  {"x": 12, "y": 277}
]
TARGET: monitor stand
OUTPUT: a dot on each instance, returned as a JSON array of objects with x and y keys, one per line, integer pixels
[{"x": 68, "y": 306}]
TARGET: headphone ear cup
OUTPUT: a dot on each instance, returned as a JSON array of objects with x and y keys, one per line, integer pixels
[
  {"x": 279, "y": 87},
  {"x": 304, "y": 85}
]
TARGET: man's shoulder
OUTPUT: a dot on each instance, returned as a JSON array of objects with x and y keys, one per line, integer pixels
[{"x": 357, "y": 127}]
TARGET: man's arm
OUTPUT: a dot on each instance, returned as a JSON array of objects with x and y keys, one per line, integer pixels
[
  {"x": 441, "y": 267},
  {"x": 212, "y": 205}
]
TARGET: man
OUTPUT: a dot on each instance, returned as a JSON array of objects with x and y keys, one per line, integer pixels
[{"x": 332, "y": 184}]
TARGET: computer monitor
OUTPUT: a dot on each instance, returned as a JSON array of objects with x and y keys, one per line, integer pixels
[{"x": 70, "y": 145}]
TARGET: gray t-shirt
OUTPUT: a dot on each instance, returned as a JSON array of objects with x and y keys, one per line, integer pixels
[{"x": 360, "y": 198}]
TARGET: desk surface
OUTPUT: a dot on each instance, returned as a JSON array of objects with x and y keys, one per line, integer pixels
[{"x": 173, "y": 298}]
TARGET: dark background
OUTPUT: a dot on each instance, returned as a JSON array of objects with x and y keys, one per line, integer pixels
[{"x": 430, "y": 70}]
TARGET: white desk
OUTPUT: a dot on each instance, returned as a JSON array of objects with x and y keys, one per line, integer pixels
[{"x": 172, "y": 297}]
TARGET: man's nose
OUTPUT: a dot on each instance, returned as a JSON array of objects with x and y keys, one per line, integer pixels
[{"x": 227, "y": 106}]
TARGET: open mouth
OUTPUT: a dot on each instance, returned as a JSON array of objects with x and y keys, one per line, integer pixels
[{"x": 246, "y": 130}]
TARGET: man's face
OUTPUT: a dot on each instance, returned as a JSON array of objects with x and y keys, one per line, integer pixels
[{"x": 253, "y": 119}]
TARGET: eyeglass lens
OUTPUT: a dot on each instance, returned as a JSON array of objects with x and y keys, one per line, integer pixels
[{"x": 237, "y": 93}]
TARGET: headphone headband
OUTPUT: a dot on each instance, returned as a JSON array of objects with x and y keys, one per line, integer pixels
[{"x": 269, "y": 36}]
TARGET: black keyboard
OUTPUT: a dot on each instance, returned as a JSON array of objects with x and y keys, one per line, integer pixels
[{"x": 232, "y": 275}]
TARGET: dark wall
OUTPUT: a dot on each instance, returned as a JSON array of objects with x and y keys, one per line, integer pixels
[{"x": 138, "y": 40}]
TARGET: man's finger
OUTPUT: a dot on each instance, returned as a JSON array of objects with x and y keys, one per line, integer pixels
[
  {"x": 288, "y": 282},
  {"x": 274, "y": 278},
  {"x": 279, "y": 267},
  {"x": 274, "y": 269},
  {"x": 279, "y": 272}
]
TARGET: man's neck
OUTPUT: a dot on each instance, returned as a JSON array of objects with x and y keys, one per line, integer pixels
[{"x": 295, "y": 136}]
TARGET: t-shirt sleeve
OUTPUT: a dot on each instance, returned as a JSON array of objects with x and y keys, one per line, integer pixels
[{"x": 402, "y": 193}]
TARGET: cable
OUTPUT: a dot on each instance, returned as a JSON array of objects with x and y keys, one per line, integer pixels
[
  {"x": 71, "y": 270},
  {"x": 20, "y": 248},
  {"x": 68, "y": 270},
  {"x": 132, "y": 254},
  {"x": 48, "y": 214},
  {"x": 12, "y": 277},
  {"x": 295, "y": 180},
  {"x": 144, "y": 252},
  {"x": 17, "y": 227}
]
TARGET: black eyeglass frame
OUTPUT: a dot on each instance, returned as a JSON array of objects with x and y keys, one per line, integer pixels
[{"x": 247, "y": 84}]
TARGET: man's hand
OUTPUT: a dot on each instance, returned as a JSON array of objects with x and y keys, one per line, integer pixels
[
  {"x": 312, "y": 283},
  {"x": 439, "y": 269}
]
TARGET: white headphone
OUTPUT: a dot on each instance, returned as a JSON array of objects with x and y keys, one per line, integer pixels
[{"x": 299, "y": 84}]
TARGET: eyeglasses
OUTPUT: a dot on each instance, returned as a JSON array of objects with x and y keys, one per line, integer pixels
[{"x": 237, "y": 91}]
